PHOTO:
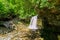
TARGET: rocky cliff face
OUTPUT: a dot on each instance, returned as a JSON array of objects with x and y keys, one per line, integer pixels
[
  {"x": 50, "y": 19},
  {"x": 54, "y": 19}
]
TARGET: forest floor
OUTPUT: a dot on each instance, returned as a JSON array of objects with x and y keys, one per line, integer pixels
[{"x": 21, "y": 32}]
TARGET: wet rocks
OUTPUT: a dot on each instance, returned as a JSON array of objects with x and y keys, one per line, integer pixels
[
  {"x": 9, "y": 24},
  {"x": 6, "y": 27}
]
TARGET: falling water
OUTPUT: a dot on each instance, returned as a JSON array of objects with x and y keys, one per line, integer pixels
[{"x": 33, "y": 23}]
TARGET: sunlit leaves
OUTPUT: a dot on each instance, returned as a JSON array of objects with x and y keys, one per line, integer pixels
[{"x": 23, "y": 8}]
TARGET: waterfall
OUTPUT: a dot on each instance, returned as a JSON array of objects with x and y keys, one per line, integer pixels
[{"x": 33, "y": 23}]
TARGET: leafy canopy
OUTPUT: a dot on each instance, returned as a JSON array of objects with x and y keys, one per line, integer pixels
[{"x": 22, "y": 8}]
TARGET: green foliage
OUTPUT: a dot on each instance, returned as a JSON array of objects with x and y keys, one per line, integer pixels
[
  {"x": 46, "y": 3},
  {"x": 22, "y": 8},
  {"x": 3, "y": 9}
]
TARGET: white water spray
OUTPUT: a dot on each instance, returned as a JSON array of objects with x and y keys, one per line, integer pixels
[{"x": 33, "y": 23}]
